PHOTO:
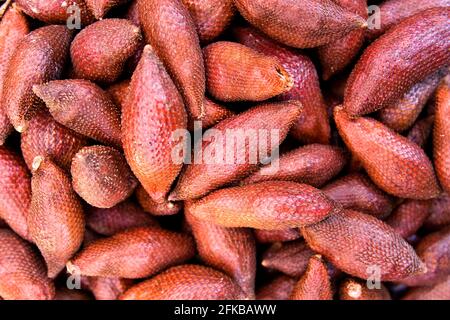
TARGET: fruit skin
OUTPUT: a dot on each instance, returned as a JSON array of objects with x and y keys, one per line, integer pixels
[
  {"x": 312, "y": 126},
  {"x": 166, "y": 208},
  {"x": 134, "y": 253},
  {"x": 356, "y": 289},
  {"x": 169, "y": 28},
  {"x": 23, "y": 274},
  {"x": 186, "y": 282},
  {"x": 440, "y": 212},
  {"x": 101, "y": 7},
  {"x": 214, "y": 113},
  {"x": 235, "y": 72},
  {"x": 209, "y": 172},
  {"x": 355, "y": 242},
  {"x": 279, "y": 288},
  {"x": 101, "y": 176},
  {"x": 313, "y": 164},
  {"x": 15, "y": 192},
  {"x": 38, "y": 58},
  {"x": 270, "y": 205},
  {"x": 409, "y": 216},
  {"x": 107, "y": 288},
  {"x": 68, "y": 294},
  {"x": 269, "y": 236},
  {"x": 440, "y": 291},
  {"x": 395, "y": 164},
  {"x": 118, "y": 93},
  {"x": 374, "y": 84},
  {"x": 13, "y": 28},
  {"x": 315, "y": 282},
  {"x": 308, "y": 24},
  {"x": 106, "y": 65},
  {"x": 83, "y": 107},
  {"x": 356, "y": 191},
  {"x": 421, "y": 131},
  {"x": 56, "y": 224},
  {"x": 148, "y": 124}
]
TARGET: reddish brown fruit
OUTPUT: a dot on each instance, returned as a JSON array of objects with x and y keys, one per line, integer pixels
[
  {"x": 108, "y": 288},
  {"x": 409, "y": 216},
  {"x": 186, "y": 282},
  {"x": 22, "y": 275},
  {"x": 270, "y": 236},
  {"x": 374, "y": 84},
  {"x": 83, "y": 107},
  {"x": 133, "y": 13},
  {"x": 355, "y": 289},
  {"x": 135, "y": 253},
  {"x": 440, "y": 291},
  {"x": 119, "y": 93},
  {"x": 440, "y": 212},
  {"x": 214, "y": 113},
  {"x": 71, "y": 294},
  {"x": 362, "y": 245},
  {"x": 421, "y": 131},
  {"x": 101, "y": 7},
  {"x": 56, "y": 224},
  {"x": 104, "y": 65},
  {"x": 166, "y": 208},
  {"x": 279, "y": 288},
  {"x": 268, "y": 205},
  {"x": 148, "y": 123},
  {"x": 235, "y": 72},
  {"x": 169, "y": 28},
  {"x": 395, "y": 164},
  {"x": 39, "y": 57}
]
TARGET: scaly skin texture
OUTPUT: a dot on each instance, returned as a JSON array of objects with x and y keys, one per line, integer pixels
[
  {"x": 305, "y": 24},
  {"x": 101, "y": 7},
  {"x": 335, "y": 56},
  {"x": 214, "y": 113},
  {"x": 106, "y": 65},
  {"x": 56, "y": 223},
  {"x": 101, "y": 176},
  {"x": 235, "y": 72},
  {"x": 83, "y": 107},
  {"x": 211, "y": 17},
  {"x": 22, "y": 271},
  {"x": 108, "y": 288},
  {"x": 135, "y": 253},
  {"x": 312, "y": 126},
  {"x": 166, "y": 208},
  {"x": 186, "y": 282},
  {"x": 39, "y": 58},
  {"x": 46, "y": 137},
  {"x": 15, "y": 192},
  {"x": 440, "y": 291},
  {"x": 270, "y": 205},
  {"x": 209, "y": 171},
  {"x": 169, "y": 28},
  {"x": 270, "y": 236},
  {"x": 153, "y": 112},
  {"x": 440, "y": 212},
  {"x": 356, "y": 243},
  {"x": 356, "y": 191},
  {"x": 315, "y": 283},
  {"x": 421, "y": 131},
  {"x": 13, "y": 28},
  {"x": 231, "y": 250},
  {"x": 395, "y": 164},
  {"x": 118, "y": 92},
  {"x": 409, "y": 216},
  {"x": 279, "y": 288},
  {"x": 356, "y": 289},
  {"x": 313, "y": 164},
  {"x": 417, "y": 47}
]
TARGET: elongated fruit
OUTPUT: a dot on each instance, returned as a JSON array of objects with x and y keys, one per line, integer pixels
[
  {"x": 409, "y": 216},
  {"x": 214, "y": 113},
  {"x": 279, "y": 288},
  {"x": 356, "y": 289}
]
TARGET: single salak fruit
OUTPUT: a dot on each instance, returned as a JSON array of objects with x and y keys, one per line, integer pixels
[
  {"x": 214, "y": 113},
  {"x": 440, "y": 212},
  {"x": 314, "y": 164},
  {"x": 270, "y": 236},
  {"x": 305, "y": 24},
  {"x": 439, "y": 291},
  {"x": 105, "y": 65},
  {"x": 395, "y": 164},
  {"x": 409, "y": 216},
  {"x": 46, "y": 137},
  {"x": 153, "y": 114},
  {"x": 186, "y": 282},
  {"x": 135, "y": 253},
  {"x": 13, "y": 28},
  {"x": 166, "y": 208},
  {"x": 107, "y": 288},
  {"x": 15, "y": 192},
  {"x": 22, "y": 273},
  {"x": 83, "y": 107},
  {"x": 421, "y": 131},
  {"x": 312, "y": 126},
  {"x": 267, "y": 205},
  {"x": 118, "y": 92},
  {"x": 235, "y": 72},
  {"x": 418, "y": 46},
  {"x": 315, "y": 283},
  {"x": 56, "y": 223},
  {"x": 231, "y": 250},
  {"x": 215, "y": 162},
  {"x": 169, "y": 28},
  {"x": 101, "y": 176},
  {"x": 101, "y": 7},
  {"x": 38, "y": 58},
  {"x": 356, "y": 289},
  {"x": 279, "y": 288},
  {"x": 360, "y": 244}
]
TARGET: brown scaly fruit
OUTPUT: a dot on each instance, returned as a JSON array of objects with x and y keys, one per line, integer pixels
[
  {"x": 56, "y": 223},
  {"x": 166, "y": 208},
  {"x": 305, "y": 24},
  {"x": 38, "y": 58},
  {"x": 235, "y": 72},
  {"x": 421, "y": 131},
  {"x": 279, "y": 288},
  {"x": 105, "y": 65},
  {"x": 118, "y": 92},
  {"x": 270, "y": 236},
  {"x": 440, "y": 212},
  {"x": 148, "y": 123},
  {"x": 214, "y": 113},
  {"x": 107, "y": 288},
  {"x": 418, "y": 46},
  {"x": 186, "y": 282},
  {"x": 409, "y": 216},
  {"x": 83, "y": 107},
  {"x": 356, "y": 289},
  {"x": 101, "y": 7},
  {"x": 395, "y": 164},
  {"x": 440, "y": 291},
  {"x": 169, "y": 28},
  {"x": 23, "y": 274}
]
